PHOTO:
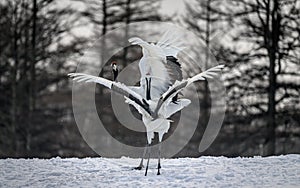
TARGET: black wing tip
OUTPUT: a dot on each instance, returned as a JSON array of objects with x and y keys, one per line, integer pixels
[
  {"x": 72, "y": 74},
  {"x": 173, "y": 60}
]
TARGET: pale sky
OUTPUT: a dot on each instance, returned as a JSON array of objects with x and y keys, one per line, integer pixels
[{"x": 170, "y": 7}]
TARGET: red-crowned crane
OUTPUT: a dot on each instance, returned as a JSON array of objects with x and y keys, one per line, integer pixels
[{"x": 156, "y": 99}]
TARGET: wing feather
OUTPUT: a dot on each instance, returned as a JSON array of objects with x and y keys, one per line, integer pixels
[
  {"x": 171, "y": 43},
  {"x": 114, "y": 86},
  {"x": 180, "y": 85},
  {"x": 159, "y": 64}
]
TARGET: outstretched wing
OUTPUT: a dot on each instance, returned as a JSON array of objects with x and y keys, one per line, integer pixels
[
  {"x": 179, "y": 85},
  {"x": 114, "y": 86},
  {"x": 159, "y": 62},
  {"x": 171, "y": 43}
]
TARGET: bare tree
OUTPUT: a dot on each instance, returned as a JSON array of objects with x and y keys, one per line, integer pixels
[
  {"x": 30, "y": 53},
  {"x": 265, "y": 26}
]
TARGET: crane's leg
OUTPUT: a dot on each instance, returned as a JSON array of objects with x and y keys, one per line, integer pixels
[
  {"x": 149, "y": 153},
  {"x": 141, "y": 164},
  {"x": 158, "y": 165}
]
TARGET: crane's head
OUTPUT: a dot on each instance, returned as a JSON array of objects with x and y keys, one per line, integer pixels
[{"x": 115, "y": 69}]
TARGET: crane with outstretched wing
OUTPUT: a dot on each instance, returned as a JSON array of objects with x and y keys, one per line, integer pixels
[{"x": 156, "y": 99}]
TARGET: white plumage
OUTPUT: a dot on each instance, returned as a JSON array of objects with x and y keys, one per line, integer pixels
[{"x": 161, "y": 81}]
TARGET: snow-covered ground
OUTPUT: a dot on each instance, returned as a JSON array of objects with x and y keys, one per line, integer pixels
[{"x": 281, "y": 171}]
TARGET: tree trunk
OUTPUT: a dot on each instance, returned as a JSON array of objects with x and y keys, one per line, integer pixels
[
  {"x": 32, "y": 92},
  {"x": 127, "y": 22},
  {"x": 104, "y": 19},
  {"x": 103, "y": 42},
  {"x": 14, "y": 86},
  {"x": 271, "y": 106},
  {"x": 273, "y": 40},
  {"x": 206, "y": 97}
]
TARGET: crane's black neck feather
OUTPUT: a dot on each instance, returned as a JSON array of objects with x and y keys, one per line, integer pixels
[
  {"x": 148, "y": 87},
  {"x": 115, "y": 72}
]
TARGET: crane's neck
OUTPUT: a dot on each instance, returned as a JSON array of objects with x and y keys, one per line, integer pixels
[{"x": 148, "y": 88}]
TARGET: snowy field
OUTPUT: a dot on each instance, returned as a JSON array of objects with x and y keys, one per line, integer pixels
[{"x": 281, "y": 171}]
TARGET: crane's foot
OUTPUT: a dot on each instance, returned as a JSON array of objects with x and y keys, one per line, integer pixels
[
  {"x": 138, "y": 168},
  {"x": 158, "y": 169}
]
